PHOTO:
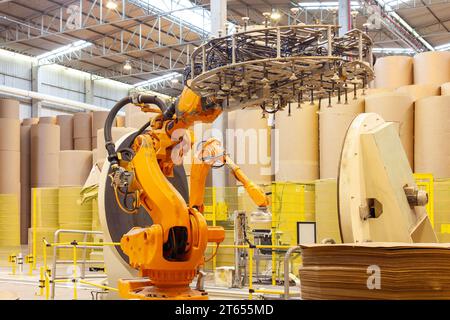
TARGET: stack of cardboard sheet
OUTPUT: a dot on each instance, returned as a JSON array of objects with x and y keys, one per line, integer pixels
[{"x": 376, "y": 271}]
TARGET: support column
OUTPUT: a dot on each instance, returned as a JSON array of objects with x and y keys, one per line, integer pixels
[
  {"x": 345, "y": 16},
  {"x": 218, "y": 20},
  {"x": 89, "y": 90},
  {"x": 36, "y": 105}
]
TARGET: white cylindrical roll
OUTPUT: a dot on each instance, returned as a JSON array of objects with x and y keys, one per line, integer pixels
[
  {"x": 82, "y": 126},
  {"x": 432, "y": 67},
  {"x": 393, "y": 72},
  {"x": 397, "y": 108},
  {"x": 333, "y": 124},
  {"x": 65, "y": 122},
  {"x": 44, "y": 155},
  {"x": 74, "y": 167},
  {"x": 117, "y": 133},
  {"x": 432, "y": 132},
  {"x": 298, "y": 144},
  {"x": 9, "y": 134},
  {"x": 445, "y": 89},
  {"x": 9, "y": 109},
  {"x": 419, "y": 91}
]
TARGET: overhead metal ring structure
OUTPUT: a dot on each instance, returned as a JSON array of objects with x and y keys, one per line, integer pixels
[{"x": 278, "y": 65}]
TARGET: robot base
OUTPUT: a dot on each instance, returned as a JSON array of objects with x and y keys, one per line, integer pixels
[{"x": 143, "y": 289}]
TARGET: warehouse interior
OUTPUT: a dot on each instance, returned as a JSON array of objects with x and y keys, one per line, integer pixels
[{"x": 238, "y": 150}]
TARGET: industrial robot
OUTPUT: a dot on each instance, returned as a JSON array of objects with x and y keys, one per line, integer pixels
[{"x": 170, "y": 253}]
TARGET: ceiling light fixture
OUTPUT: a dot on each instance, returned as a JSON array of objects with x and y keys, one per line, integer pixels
[
  {"x": 127, "y": 65},
  {"x": 111, "y": 4}
]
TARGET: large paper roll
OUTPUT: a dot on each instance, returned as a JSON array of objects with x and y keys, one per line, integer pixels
[
  {"x": 432, "y": 134},
  {"x": 10, "y": 172},
  {"x": 98, "y": 121},
  {"x": 74, "y": 167},
  {"x": 47, "y": 120},
  {"x": 419, "y": 91},
  {"x": 432, "y": 67},
  {"x": 397, "y": 108},
  {"x": 82, "y": 143},
  {"x": 117, "y": 133},
  {"x": 445, "y": 89},
  {"x": 45, "y": 155},
  {"x": 333, "y": 124},
  {"x": 9, "y": 134},
  {"x": 65, "y": 122},
  {"x": 135, "y": 118},
  {"x": 30, "y": 121},
  {"x": 298, "y": 144},
  {"x": 25, "y": 167},
  {"x": 82, "y": 126},
  {"x": 393, "y": 72},
  {"x": 9, "y": 109}
]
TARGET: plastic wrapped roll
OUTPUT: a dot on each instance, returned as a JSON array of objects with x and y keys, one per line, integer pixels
[
  {"x": 44, "y": 155},
  {"x": 445, "y": 89},
  {"x": 432, "y": 67},
  {"x": 65, "y": 122},
  {"x": 9, "y": 134},
  {"x": 45, "y": 207},
  {"x": 72, "y": 214},
  {"x": 432, "y": 132},
  {"x": 30, "y": 121},
  {"x": 419, "y": 91},
  {"x": 82, "y": 126},
  {"x": 9, "y": 220},
  {"x": 298, "y": 144},
  {"x": 47, "y": 120},
  {"x": 9, "y": 109},
  {"x": 117, "y": 133},
  {"x": 397, "y": 108},
  {"x": 82, "y": 143},
  {"x": 393, "y": 72},
  {"x": 74, "y": 167}
]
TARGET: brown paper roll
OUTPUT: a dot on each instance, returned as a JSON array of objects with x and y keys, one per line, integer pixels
[
  {"x": 432, "y": 134},
  {"x": 82, "y": 126},
  {"x": 445, "y": 89},
  {"x": 9, "y": 109},
  {"x": 94, "y": 156},
  {"x": 74, "y": 167},
  {"x": 120, "y": 121},
  {"x": 117, "y": 133},
  {"x": 10, "y": 172},
  {"x": 397, "y": 108},
  {"x": 25, "y": 206},
  {"x": 393, "y": 72},
  {"x": 45, "y": 171},
  {"x": 135, "y": 118},
  {"x": 44, "y": 139},
  {"x": 9, "y": 134},
  {"x": 82, "y": 143},
  {"x": 419, "y": 91},
  {"x": 65, "y": 122},
  {"x": 30, "y": 121},
  {"x": 333, "y": 124},
  {"x": 432, "y": 67},
  {"x": 94, "y": 142},
  {"x": 298, "y": 144},
  {"x": 47, "y": 120},
  {"x": 98, "y": 121}
]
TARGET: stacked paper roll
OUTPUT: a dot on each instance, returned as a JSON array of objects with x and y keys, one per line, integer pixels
[
  {"x": 82, "y": 131},
  {"x": 252, "y": 145},
  {"x": 397, "y": 108},
  {"x": 48, "y": 120},
  {"x": 10, "y": 156},
  {"x": 117, "y": 133},
  {"x": 9, "y": 109},
  {"x": 74, "y": 167},
  {"x": 98, "y": 122},
  {"x": 445, "y": 89},
  {"x": 432, "y": 132},
  {"x": 25, "y": 184},
  {"x": 327, "y": 220},
  {"x": 30, "y": 121},
  {"x": 135, "y": 118},
  {"x": 120, "y": 121},
  {"x": 419, "y": 91},
  {"x": 432, "y": 67},
  {"x": 393, "y": 72},
  {"x": 65, "y": 122},
  {"x": 45, "y": 155},
  {"x": 9, "y": 220},
  {"x": 42, "y": 233},
  {"x": 298, "y": 144},
  {"x": 333, "y": 124}
]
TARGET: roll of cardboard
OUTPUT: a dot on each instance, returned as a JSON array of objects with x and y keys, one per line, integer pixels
[
  {"x": 93, "y": 142},
  {"x": 44, "y": 155},
  {"x": 65, "y": 122},
  {"x": 117, "y": 133},
  {"x": 432, "y": 133},
  {"x": 9, "y": 134},
  {"x": 30, "y": 121},
  {"x": 419, "y": 91},
  {"x": 135, "y": 118},
  {"x": 74, "y": 167},
  {"x": 25, "y": 185},
  {"x": 432, "y": 67},
  {"x": 47, "y": 120},
  {"x": 98, "y": 121},
  {"x": 393, "y": 72},
  {"x": 10, "y": 172},
  {"x": 298, "y": 144},
  {"x": 9, "y": 108},
  {"x": 82, "y": 126},
  {"x": 82, "y": 143},
  {"x": 397, "y": 108},
  {"x": 333, "y": 124},
  {"x": 120, "y": 121},
  {"x": 445, "y": 89}
]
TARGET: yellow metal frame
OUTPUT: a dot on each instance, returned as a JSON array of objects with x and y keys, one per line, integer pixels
[{"x": 426, "y": 181}]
